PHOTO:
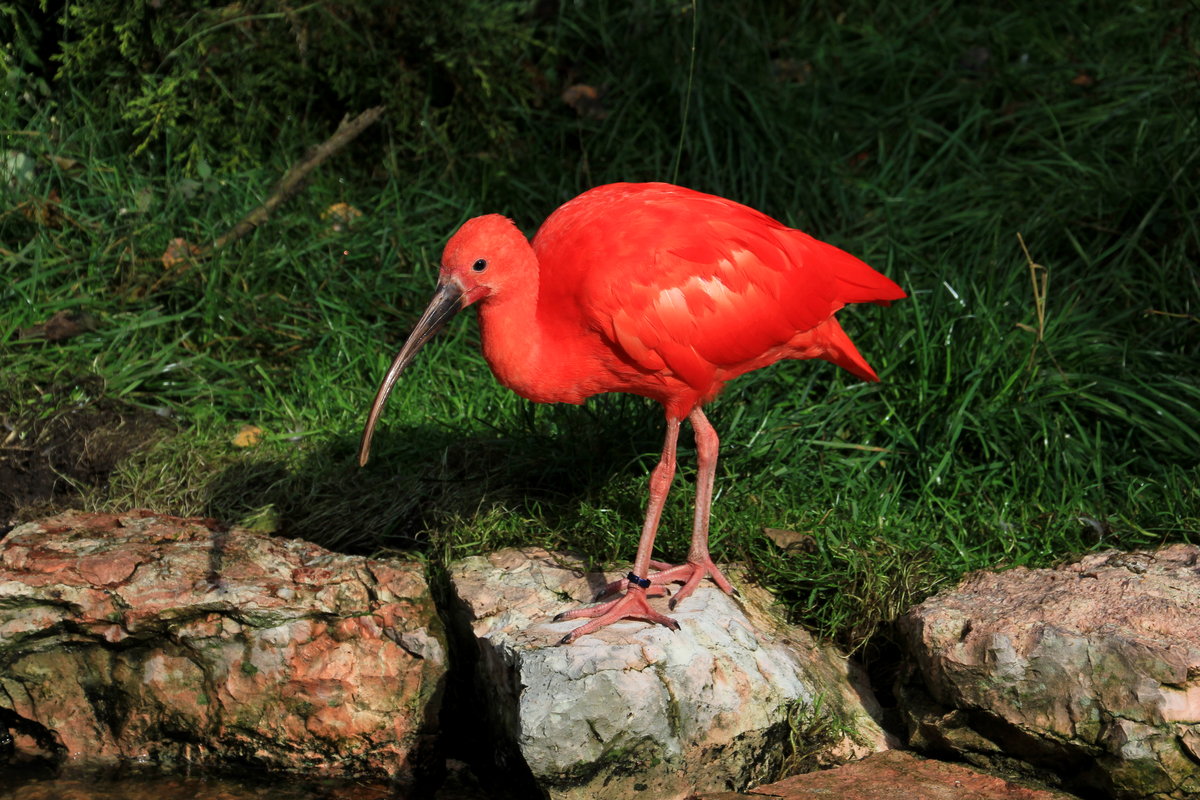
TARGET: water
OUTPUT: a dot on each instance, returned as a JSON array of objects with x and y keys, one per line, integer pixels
[{"x": 142, "y": 783}]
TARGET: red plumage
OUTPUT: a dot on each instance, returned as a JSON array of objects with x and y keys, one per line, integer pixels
[{"x": 659, "y": 291}]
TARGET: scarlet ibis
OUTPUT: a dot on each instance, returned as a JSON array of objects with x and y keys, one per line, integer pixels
[{"x": 655, "y": 290}]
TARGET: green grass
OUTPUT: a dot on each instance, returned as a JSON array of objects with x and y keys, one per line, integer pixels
[{"x": 880, "y": 129}]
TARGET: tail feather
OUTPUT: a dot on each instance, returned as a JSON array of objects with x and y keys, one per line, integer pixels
[
  {"x": 859, "y": 282},
  {"x": 841, "y": 351}
]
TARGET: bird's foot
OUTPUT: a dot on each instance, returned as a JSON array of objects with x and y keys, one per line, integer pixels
[
  {"x": 689, "y": 573},
  {"x": 631, "y": 605}
]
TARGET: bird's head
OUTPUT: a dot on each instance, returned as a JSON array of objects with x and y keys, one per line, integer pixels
[
  {"x": 483, "y": 257},
  {"x": 486, "y": 255}
]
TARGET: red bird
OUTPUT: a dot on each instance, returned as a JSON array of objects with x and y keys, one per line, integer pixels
[{"x": 655, "y": 290}]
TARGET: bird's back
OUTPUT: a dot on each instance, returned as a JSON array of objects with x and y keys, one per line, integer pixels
[{"x": 695, "y": 289}]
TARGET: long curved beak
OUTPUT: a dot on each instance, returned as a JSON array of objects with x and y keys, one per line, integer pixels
[{"x": 444, "y": 305}]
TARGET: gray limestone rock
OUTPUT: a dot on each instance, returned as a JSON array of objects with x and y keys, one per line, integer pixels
[{"x": 641, "y": 710}]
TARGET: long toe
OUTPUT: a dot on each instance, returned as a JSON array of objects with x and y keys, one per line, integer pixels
[
  {"x": 689, "y": 586},
  {"x": 719, "y": 579},
  {"x": 612, "y": 588},
  {"x": 586, "y": 611},
  {"x": 691, "y": 574}
]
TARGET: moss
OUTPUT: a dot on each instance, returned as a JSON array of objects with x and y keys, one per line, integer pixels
[{"x": 622, "y": 757}]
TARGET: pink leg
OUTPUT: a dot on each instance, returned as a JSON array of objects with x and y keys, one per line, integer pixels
[
  {"x": 699, "y": 563},
  {"x": 632, "y": 604}
]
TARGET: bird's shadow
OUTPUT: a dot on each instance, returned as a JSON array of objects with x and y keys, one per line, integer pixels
[{"x": 543, "y": 464}]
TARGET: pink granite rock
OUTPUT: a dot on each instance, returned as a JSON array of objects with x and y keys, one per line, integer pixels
[
  {"x": 894, "y": 775},
  {"x": 141, "y": 636},
  {"x": 1090, "y": 670}
]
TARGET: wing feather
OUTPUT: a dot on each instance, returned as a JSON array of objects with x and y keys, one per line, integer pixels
[{"x": 691, "y": 283}]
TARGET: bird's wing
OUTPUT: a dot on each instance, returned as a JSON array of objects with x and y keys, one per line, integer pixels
[{"x": 697, "y": 284}]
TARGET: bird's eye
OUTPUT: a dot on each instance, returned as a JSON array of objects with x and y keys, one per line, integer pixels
[{"x": 480, "y": 265}]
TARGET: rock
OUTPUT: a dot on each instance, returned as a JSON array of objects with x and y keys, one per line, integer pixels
[
  {"x": 1090, "y": 671},
  {"x": 894, "y": 775},
  {"x": 147, "y": 637},
  {"x": 641, "y": 710}
]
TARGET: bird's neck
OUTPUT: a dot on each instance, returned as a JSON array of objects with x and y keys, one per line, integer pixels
[{"x": 513, "y": 339}]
